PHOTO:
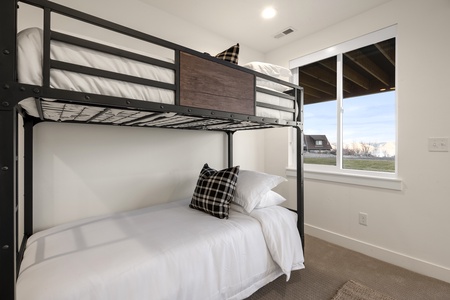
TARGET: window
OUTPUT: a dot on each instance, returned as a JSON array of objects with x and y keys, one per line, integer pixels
[
  {"x": 368, "y": 108},
  {"x": 350, "y": 102}
]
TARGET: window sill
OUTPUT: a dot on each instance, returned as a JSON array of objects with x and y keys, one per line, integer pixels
[{"x": 353, "y": 179}]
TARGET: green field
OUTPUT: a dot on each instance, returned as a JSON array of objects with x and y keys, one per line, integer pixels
[{"x": 381, "y": 165}]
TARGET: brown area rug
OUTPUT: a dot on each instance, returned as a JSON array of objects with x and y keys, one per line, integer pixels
[{"x": 353, "y": 290}]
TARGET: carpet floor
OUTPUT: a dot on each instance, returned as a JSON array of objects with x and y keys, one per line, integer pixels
[{"x": 329, "y": 267}]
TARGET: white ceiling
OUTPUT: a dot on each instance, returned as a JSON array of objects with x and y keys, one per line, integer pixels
[{"x": 240, "y": 20}]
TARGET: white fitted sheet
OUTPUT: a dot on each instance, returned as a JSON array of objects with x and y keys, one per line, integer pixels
[
  {"x": 167, "y": 251},
  {"x": 30, "y": 60}
]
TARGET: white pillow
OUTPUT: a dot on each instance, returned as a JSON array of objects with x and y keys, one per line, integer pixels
[
  {"x": 270, "y": 199},
  {"x": 270, "y": 69},
  {"x": 252, "y": 186},
  {"x": 238, "y": 208},
  {"x": 272, "y": 85}
]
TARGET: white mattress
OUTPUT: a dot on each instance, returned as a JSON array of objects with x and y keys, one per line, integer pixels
[
  {"x": 273, "y": 113},
  {"x": 30, "y": 72},
  {"x": 167, "y": 251}
]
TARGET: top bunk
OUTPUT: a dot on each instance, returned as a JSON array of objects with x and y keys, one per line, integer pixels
[{"x": 64, "y": 77}]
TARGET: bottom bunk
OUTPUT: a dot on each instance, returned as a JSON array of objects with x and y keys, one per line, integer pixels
[{"x": 169, "y": 251}]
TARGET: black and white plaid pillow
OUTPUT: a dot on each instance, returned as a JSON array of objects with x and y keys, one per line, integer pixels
[
  {"x": 231, "y": 54},
  {"x": 215, "y": 190}
]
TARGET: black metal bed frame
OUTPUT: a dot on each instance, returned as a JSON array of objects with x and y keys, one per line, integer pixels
[{"x": 12, "y": 92}]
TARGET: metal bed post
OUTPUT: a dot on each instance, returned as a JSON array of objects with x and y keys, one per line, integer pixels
[
  {"x": 8, "y": 202},
  {"x": 300, "y": 178},
  {"x": 8, "y": 31},
  {"x": 300, "y": 186},
  {"x": 8, "y": 151},
  {"x": 230, "y": 148},
  {"x": 28, "y": 177},
  {"x": 27, "y": 209}
]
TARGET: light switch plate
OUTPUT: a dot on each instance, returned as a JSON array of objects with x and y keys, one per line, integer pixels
[{"x": 438, "y": 144}]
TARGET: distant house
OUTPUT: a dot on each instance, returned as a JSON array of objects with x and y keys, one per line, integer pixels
[{"x": 316, "y": 143}]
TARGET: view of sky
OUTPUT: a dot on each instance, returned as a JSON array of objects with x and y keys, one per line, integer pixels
[{"x": 368, "y": 119}]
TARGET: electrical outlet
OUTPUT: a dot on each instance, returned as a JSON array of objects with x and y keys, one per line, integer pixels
[
  {"x": 363, "y": 218},
  {"x": 438, "y": 144}
]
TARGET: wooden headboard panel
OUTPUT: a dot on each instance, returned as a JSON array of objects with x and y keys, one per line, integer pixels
[{"x": 210, "y": 85}]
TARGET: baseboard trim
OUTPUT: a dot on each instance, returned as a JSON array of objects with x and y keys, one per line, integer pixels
[{"x": 392, "y": 257}]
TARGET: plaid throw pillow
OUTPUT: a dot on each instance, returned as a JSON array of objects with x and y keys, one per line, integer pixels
[
  {"x": 231, "y": 54},
  {"x": 215, "y": 190}
]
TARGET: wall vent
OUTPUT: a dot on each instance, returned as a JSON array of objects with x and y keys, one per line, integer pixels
[{"x": 285, "y": 32}]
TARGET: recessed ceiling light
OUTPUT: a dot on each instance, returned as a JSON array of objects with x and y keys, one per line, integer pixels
[{"x": 268, "y": 12}]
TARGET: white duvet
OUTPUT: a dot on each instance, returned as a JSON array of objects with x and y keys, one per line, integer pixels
[{"x": 166, "y": 251}]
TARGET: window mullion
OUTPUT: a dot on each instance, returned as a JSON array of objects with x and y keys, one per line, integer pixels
[{"x": 339, "y": 109}]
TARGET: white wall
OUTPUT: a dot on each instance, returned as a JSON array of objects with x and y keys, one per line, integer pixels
[
  {"x": 409, "y": 228},
  {"x": 142, "y": 17},
  {"x": 85, "y": 170}
]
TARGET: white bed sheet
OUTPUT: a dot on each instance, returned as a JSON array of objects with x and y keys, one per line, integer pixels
[
  {"x": 30, "y": 60},
  {"x": 166, "y": 251}
]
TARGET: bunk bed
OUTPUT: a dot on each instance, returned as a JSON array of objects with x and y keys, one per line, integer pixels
[{"x": 194, "y": 91}]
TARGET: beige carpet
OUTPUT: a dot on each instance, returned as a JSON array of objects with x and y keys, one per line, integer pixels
[
  {"x": 353, "y": 290},
  {"x": 329, "y": 267}
]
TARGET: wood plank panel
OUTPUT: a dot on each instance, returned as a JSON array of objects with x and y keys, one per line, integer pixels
[{"x": 210, "y": 85}]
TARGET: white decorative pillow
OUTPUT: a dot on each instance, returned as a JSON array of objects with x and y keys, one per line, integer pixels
[
  {"x": 270, "y": 199},
  {"x": 252, "y": 186}
]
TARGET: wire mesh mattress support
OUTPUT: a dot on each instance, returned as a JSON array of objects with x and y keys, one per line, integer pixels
[{"x": 67, "y": 112}]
